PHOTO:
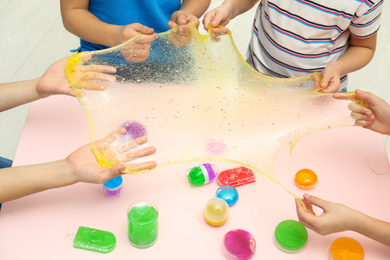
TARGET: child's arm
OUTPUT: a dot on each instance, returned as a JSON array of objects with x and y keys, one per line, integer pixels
[
  {"x": 79, "y": 166},
  {"x": 53, "y": 82},
  {"x": 82, "y": 23},
  {"x": 337, "y": 217},
  {"x": 190, "y": 11},
  {"x": 228, "y": 10},
  {"x": 374, "y": 116},
  {"x": 358, "y": 55}
]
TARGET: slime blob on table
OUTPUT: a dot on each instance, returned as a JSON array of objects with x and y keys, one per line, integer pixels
[
  {"x": 346, "y": 248},
  {"x": 216, "y": 212},
  {"x": 305, "y": 179},
  {"x": 202, "y": 174},
  {"x": 290, "y": 236},
  {"x": 238, "y": 244}
]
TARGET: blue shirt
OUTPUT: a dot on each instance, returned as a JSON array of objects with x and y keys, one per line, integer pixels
[{"x": 151, "y": 13}]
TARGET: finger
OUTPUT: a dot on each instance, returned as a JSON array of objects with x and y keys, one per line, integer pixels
[
  {"x": 100, "y": 68},
  {"x": 142, "y": 39},
  {"x": 182, "y": 19},
  {"x": 344, "y": 96},
  {"x": 136, "y": 154},
  {"x": 316, "y": 201},
  {"x": 131, "y": 144},
  {"x": 208, "y": 17},
  {"x": 363, "y": 122},
  {"x": 142, "y": 28},
  {"x": 114, "y": 136},
  {"x": 141, "y": 166},
  {"x": 97, "y": 76},
  {"x": 358, "y": 108},
  {"x": 171, "y": 24},
  {"x": 88, "y": 85}
]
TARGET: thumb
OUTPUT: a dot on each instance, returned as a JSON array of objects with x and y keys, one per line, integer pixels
[
  {"x": 367, "y": 97},
  {"x": 142, "y": 28},
  {"x": 114, "y": 171}
]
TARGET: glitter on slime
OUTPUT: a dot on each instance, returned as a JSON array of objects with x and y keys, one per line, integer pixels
[
  {"x": 201, "y": 102},
  {"x": 216, "y": 212},
  {"x": 238, "y": 244},
  {"x": 227, "y": 193},
  {"x": 346, "y": 248},
  {"x": 142, "y": 224},
  {"x": 290, "y": 236},
  {"x": 305, "y": 179},
  {"x": 202, "y": 174}
]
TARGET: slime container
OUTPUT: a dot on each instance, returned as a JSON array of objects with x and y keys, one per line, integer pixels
[
  {"x": 236, "y": 177},
  {"x": 113, "y": 186},
  {"x": 305, "y": 179},
  {"x": 216, "y": 212},
  {"x": 344, "y": 248},
  {"x": 143, "y": 224},
  {"x": 202, "y": 174},
  {"x": 227, "y": 193},
  {"x": 238, "y": 244},
  {"x": 290, "y": 236}
]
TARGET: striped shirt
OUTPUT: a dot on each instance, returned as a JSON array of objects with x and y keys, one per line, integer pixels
[{"x": 293, "y": 38}]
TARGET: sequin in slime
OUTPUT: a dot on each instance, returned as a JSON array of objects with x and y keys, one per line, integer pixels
[
  {"x": 290, "y": 236},
  {"x": 216, "y": 212},
  {"x": 113, "y": 186},
  {"x": 202, "y": 174},
  {"x": 346, "y": 248},
  {"x": 228, "y": 193},
  {"x": 238, "y": 244},
  {"x": 143, "y": 224},
  {"x": 305, "y": 179}
]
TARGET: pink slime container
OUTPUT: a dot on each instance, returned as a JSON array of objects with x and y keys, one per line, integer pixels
[{"x": 238, "y": 244}]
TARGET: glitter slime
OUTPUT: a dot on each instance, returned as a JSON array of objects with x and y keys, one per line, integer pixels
[
  {"x": 290, "y": 236},
  {"x": 238, "y": 244},
  {"x": 305, "y": 179},
  {"x": 113, "y": 186},
  {"x": 227, "y": 193},
  {"x": 143, "y": 224},
  {"x": 200, "y": 101},
  {"x": 202, "y": 174},
  {"x": 346, "y": 248},
  {"x": 236, "y": 177},
  {"x": 216, "y": 212}
]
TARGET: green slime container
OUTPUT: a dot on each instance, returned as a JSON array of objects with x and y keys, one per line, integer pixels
[{"x": 143, "y": 224}]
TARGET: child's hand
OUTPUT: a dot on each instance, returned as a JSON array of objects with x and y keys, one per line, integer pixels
[
  {"x": 374, "y": 116},
  {"x": 218, "y": 16},
  {"x": 330, "y": 78},
  {"x": 182, "y": 36},
  {"x": 85, "y": 168},
  {"x": 182, "y": 18},
  {"x": 334, "y": 218},
  {"x": 138, "y": 49},
  {"x": 54, "y": 81}
]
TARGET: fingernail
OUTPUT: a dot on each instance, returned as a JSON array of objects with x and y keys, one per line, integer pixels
[{"x": 306, "y": 196}]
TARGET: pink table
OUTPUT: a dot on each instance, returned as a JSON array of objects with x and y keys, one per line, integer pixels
[{"x": 350, "y": 162}]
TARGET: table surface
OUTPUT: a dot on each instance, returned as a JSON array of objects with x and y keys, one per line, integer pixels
[{"x": 350, "y": 162}]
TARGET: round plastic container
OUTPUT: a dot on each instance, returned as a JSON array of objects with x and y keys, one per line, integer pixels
[
  {"x": 143, "y": 224},
  {"x": 290, "y": 236},
  {"x": 113, "y": 186},
  {"x": 305, "y": 179},
  {"x": 228, "y": 193},
  {"x": 238, "y": 244},
  {"x": 346, "y": 248},
  {"x": 216, "y": 212},
  {"x": 202, "y": 174}
]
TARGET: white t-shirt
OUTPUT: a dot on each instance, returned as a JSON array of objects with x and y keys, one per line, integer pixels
[{"x": 293, "y": 38}]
